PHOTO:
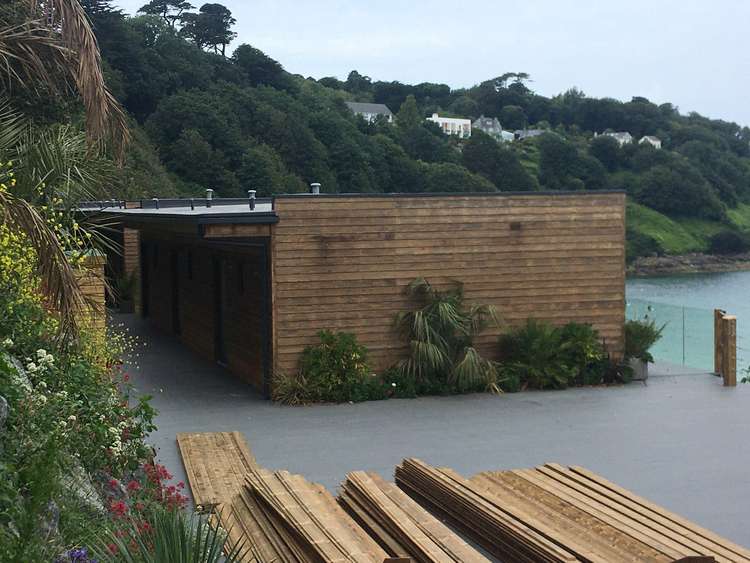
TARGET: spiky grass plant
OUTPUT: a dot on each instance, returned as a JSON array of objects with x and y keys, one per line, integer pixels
[
  {"x": 441, "y": 335},
  {"x": 172, "y": 537}
]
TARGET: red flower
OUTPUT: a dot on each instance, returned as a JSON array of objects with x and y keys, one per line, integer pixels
[
  {"x": 118, "y": 508},
  {"x": 113, "y": 483},
  {"x": 133, "y": 486},
  {"x": 112, "y": 548},
  {"x": 126, "y": 377}
]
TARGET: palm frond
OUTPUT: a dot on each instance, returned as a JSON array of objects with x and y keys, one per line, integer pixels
[
  {"x": 59, "y": 42},
  {"x": 474, "y": 372},
  {"x": 59, "y": 281}
]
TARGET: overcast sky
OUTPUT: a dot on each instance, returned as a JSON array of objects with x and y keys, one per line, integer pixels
[{"x": 693, "y": 53}]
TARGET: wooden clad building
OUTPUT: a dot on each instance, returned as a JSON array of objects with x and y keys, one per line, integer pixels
[{"x": 251, "y": 288}]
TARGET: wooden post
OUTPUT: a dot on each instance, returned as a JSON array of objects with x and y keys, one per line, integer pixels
[
  {"x": 718, "y": 314},
  {"x": 90, "y": 275},
  {"x": 729, "y": 350},
  {"x": 131, "y": 261}
]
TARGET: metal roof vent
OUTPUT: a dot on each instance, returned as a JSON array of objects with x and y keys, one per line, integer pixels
[
  {"x": 251, "y": 198},
  {"x": 209, "y": 197},
  {"x": 315, "y": 188}
]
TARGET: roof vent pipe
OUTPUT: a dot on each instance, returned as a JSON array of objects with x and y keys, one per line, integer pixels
[
  {"x": 156, "y": 202},
  {"x": 209, "y": 197},
  {"x": 315, "y": 188},
  {"x": 251, "y": 197}
]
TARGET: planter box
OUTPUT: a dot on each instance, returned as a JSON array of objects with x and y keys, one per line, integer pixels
[{"x": 640, "y": 369}]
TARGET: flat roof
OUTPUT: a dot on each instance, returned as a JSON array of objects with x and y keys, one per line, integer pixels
[
  {"x": 195, "y": 211},
  {"x": 237, "y": 210}
]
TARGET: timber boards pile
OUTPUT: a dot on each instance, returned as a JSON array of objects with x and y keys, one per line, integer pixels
[
  {"x": 399, "y": 524},
  {"x": 553, "y": 513}
]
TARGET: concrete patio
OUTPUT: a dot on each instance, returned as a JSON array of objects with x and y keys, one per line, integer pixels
[{"x": 680, "y": 439}]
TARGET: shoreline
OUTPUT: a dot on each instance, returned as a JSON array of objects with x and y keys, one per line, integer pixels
[{"x": 694, "y": 263}]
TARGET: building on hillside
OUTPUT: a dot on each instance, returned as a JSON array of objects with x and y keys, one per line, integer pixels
[
  {"x": 651, "y": 140},
  {"x": 489, "y": 125},
  {"x": 370, "y": 112},
  {"x": 622, "y": 137},
  {"x": 521, "y": 134},
  {"x": 249, "y": 283},
  {"x": 453, "y": 125}
]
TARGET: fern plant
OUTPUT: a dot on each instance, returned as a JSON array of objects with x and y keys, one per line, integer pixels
[{"x": 441, "y": 334}]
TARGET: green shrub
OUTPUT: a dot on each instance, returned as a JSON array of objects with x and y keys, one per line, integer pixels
[
  {"x": 729, "y": 242},
  {"x": 536, "y": 352},
  {"x": 640, "y": 335},
  {"x": 541, "y": 356},
  {"x": 440, "y": 334},
  {"x": 336, "y": 370},
  {"x": 584, "y": 352}
]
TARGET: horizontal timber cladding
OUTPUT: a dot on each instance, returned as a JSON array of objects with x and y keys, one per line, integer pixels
[{"x": 342, "y": 263}]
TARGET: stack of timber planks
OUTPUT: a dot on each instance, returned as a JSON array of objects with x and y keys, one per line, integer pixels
[
  {"x": 549, "y": 513},
  {"x": 401, "y": 526},
  {"x": 553, "y": 513},
  {"x": 304, "y": 521}
]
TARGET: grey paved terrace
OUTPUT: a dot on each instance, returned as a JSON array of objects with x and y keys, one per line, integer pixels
[{"x": 681, "y": 439}]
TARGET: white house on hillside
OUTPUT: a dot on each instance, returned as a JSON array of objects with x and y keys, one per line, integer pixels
[
  {"x": 370, "y": 112},
  {"x": 452, "y": 125},
  {"x": 651, "y": 140},
  {"x": 622, "y": 137}
]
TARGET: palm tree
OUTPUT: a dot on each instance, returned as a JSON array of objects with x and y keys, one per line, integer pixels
[
  {"x": 56, "y": 46},
  {"x": 50, "y": 43}
]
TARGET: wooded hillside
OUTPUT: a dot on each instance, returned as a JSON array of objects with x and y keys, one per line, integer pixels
[{"x": 236, "y": 122}]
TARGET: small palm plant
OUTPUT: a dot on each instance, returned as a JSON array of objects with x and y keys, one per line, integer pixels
[{"x": 441, "y": 335}]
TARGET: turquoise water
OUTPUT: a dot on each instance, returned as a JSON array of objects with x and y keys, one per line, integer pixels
[{"x": 685, "y": 304}]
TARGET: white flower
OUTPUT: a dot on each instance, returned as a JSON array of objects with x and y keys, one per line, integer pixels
[
  {"x": 102, "y": 418},
  {"x": 393, "y": 384},
  {"x": 72, "y": 418},
  {"x": 63, "y": 424},
  {"x": 42, "y": 399},
  {"x": 42, "y": 385},
  {"x": 31, "y": 366},
  {"x": 41, "y": 353},
  {"x": 8, "y": 343}
]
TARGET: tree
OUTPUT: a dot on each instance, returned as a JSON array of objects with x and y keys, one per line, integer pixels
[
  {"x": 483, "y": 155},
  {"x": 210, "y": 27},
  {"x": 171, "y": 11},
  {"x": 445, "y": 177},
  {"x": 260, "y": 68},
  {"x": 57, "y": 47},
  {"x": 513, "y": 117},
  {"x": 681, "y": 191},
  {"x": 408, "y": 116},
  {"x": 607, "y": 151}
]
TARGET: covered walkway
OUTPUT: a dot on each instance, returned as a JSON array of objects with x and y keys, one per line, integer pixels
[{"x": 681, "y": 440}]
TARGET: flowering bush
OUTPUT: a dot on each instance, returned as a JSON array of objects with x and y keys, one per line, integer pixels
[{"x": 69, "y": 407}]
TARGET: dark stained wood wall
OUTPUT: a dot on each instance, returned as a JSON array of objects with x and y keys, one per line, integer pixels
[
  {"x": 243, "y": 277},
  {"x": 342, "y": 263}
]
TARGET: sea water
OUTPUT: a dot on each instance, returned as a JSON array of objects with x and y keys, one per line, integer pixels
[{"x": 685, "y": 304}]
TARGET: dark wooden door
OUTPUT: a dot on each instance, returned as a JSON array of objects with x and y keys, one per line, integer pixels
[
  {"x": 145, "y": 266},
  {"x": 174, "y": 270},
  {"x": 220, "y": 350}
]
